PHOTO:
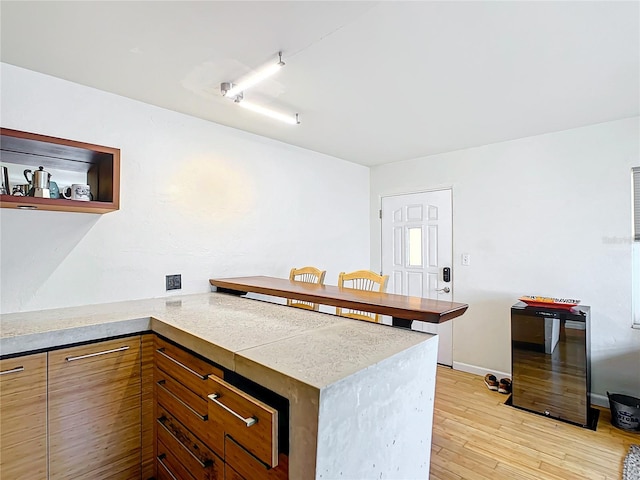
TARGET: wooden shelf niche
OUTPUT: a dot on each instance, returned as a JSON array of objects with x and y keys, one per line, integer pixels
[{"x": 99, "y": 165}]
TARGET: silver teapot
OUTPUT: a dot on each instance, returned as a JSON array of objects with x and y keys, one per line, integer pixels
[{"x": 39, "y": 182}]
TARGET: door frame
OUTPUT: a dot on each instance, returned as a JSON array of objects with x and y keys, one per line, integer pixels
[{"x": 432, "y": 328}]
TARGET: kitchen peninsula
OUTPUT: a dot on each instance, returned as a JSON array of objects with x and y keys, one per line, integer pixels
[{"x": 360, "y": 394}]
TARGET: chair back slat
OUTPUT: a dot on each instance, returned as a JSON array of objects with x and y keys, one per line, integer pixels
[
  {"x": 307, "y": 275},
  {"x": 361, "y": 280}
]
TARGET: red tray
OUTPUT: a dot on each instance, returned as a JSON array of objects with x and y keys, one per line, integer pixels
[{"x": 549, "y": 302}]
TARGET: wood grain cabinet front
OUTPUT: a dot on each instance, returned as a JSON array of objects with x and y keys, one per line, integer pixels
[
  {"x": 23, "y": 417},
  {"x": 249, "y": 421},
  {"x": 242, "y": 465},
  {"x": 188, "y": 369},
  {"x": 193, "y": 454},
  {"x": 94, "y": 411},
  {"x": 196, "y": 410},
  {"x": 183, "y": 449},
  {"x": 183, "y": 405}
]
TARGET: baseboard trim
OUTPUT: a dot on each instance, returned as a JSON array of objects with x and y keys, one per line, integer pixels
[
  {"x": 596, "y": 398},
  {"x": 476, "y": 370},
  {"x": 600, "y": 400}
]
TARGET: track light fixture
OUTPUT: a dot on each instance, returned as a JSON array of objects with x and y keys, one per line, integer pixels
[
  {"x": 290, "y": 119},
  {"x": 235, "y": 92},
  {"x": 257, "y": 77}
]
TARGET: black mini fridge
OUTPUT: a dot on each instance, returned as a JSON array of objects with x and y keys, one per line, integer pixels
[{"x": 550, "y": 363}]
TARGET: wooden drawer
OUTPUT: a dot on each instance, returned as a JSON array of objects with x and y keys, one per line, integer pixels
[
  {"x": 240, "y": 465},
  {"x": 23, "y": 417},
  {"x": 249, "y": 421},
  {"x": 190, "y": 418},
  {"x": 168, "y": 465},
  {"x": 189, "y": 450},
  {"x": 183, "y": 394},
  {"x": 231, "y": 474},
  {"x": 188, "y": 369}
]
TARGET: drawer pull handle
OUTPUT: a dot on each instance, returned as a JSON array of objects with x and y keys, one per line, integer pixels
[
  {"x": 13, "y": 370},
  {"x": 161, "y": 352},
  {"x": 161, "y": 457},
  {"x": 161, "y": 385},
  {"x": 249, "y": 421},
  {"x": 89, "y": 355},
  {"x": 161, "y": 421}
]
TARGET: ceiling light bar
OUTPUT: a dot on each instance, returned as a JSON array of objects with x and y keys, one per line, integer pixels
[
  {"x": 290, "y": 119},
  {"x": 235, "y": 92},
  {"x": 257, "y": 77}
]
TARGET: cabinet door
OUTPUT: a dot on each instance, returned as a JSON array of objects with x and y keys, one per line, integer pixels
[
  {"x": 23, "y": 417},
  {"x": 95, "y": 411}
]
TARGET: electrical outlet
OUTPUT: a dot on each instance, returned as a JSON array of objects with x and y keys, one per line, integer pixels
[
  {"x": 174, "y": 282},
  {"x": 466, "y": 259}
]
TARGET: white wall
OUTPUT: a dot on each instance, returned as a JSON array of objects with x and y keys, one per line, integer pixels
[
  {"x": 545, "y": 215},
  {"x": 197, "y": 198}
]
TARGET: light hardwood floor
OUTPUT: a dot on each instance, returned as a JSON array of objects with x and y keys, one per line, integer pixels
[{"x": 476, "y": 436}]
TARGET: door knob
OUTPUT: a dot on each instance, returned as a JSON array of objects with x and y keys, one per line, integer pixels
[{"x": 445, "y": 290}]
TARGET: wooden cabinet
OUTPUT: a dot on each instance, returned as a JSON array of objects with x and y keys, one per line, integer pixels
[
  {"x": 183, "y": 448},
  {"x": 23, "y": 422},
  {"x": 134, "y": 407},
  {"x": 95, "y": 396},
  {"x": 207, "y": 428},
  {"x": 96, "y": 165}
]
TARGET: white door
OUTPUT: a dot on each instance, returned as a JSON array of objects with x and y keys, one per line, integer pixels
[{"x": 416, "y": 248}]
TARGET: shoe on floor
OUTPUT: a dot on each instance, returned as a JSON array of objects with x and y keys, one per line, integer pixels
[
  {"x": 491, "y": 382},
  {"x": 504, "y": 386}
]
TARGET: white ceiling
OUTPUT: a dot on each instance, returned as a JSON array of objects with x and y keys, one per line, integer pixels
[{"x": 373, "y": 82}]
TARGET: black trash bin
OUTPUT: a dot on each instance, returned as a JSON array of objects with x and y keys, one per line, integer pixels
[{"x": 625, "y": 411}]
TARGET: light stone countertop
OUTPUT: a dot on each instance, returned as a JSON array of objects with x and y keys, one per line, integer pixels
[
  {"x": 313, "y": 348},
  {"x": 299, "y": 354}
]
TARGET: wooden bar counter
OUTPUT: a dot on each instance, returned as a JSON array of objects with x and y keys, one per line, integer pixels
[{"x": 400, "y": 307}]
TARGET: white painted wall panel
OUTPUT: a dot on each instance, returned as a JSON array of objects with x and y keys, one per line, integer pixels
[
  {"x": 197, "y": 198},
  {"x": 547, "y": 215}
]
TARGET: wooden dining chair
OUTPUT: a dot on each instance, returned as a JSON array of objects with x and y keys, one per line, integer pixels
[
  {"x": 361, "y": 280},
  {"x": 307, "y": 275}
]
